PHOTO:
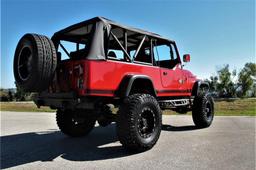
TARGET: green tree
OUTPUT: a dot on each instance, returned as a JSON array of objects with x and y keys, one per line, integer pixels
[
  {"x": 226, "y": 86},
  {"x": 254, "y": 90},
  {"x": 10, "y": 95},
  {"x": 3, "y": 95},
  {"x": 213, "y": 83},
  {"x": 245, "y": 78},
  {"x": 20, "y": 94}
]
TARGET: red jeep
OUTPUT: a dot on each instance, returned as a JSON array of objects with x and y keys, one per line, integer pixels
[{"x": 87, "y": 69}]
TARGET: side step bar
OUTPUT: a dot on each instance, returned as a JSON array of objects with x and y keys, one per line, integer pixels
[{"x": 175, "y": 103}]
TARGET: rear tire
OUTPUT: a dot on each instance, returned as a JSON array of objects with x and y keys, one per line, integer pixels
[
  {"x": 139, "y": 122},
  {"x": 75, "y": 123},
  {"x": 203, "y": 110},
  {"x": 35, "y": 61}
]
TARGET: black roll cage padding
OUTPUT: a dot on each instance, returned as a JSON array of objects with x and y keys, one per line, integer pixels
[
  {"x": 138, "y": 49},
  {"x": 152, "y": 41},
  {"x": 197, "y": 85},
  {"x": 127, "y": 83},
  {"x": 125, "y": 48},
  {"x": 171, "y": 51},
  {"x": 119, "y": 43},
  {"x": 77, "y": 46},
  {"x": 152, "y": 52},
  {"x": 125, "y": 39},
  {"x": 64, "y": 49}
]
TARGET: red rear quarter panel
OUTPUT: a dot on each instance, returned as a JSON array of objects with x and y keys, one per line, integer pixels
[
  {"x": 106, "y": 76},
  {"x": 103, "y": 77}
]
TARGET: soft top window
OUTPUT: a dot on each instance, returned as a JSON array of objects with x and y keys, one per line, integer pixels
[{"x": 75, "y": 43}]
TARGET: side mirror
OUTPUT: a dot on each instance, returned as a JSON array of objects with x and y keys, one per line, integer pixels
[{"x": 186, "y": 58}]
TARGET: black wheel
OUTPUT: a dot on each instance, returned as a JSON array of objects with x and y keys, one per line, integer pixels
[
  {"x": 75, "y": 123},
  {"x": 35, "y": 61},
  {"x": 203, "y": 110},
  {"x": 139, "y": 122}
]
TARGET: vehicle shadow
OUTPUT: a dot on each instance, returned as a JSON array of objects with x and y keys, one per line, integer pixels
[
  {"x": 179, "y": 128},
  {"x": 25, "y": 148}
]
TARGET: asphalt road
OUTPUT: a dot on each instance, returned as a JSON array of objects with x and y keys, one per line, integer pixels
[{"x": 32, "y": 141}]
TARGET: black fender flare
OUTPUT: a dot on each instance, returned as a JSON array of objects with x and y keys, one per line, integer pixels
[
  {"x": 127, "y": 82},
  {"x": 197, "y": 85}
]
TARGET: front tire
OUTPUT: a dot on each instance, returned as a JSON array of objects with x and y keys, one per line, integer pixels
[
  {"x": 139, "y": 122},
  {"x": 75, "y": 123},
  {"x": 203, "y": 110}
]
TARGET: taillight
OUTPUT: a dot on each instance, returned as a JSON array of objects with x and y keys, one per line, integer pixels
[
  {"x": 78, "y": 70},
  {"x": 78, "y": 73}
]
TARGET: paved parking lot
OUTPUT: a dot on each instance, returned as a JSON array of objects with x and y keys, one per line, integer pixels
[{"x": 32, "y": 141}]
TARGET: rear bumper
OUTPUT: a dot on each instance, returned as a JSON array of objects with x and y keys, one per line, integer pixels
[{"x": 63, "y": 100}]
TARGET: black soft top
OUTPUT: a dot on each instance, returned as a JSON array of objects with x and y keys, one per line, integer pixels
[
  {"x": 109, "y": 22},
  {"x": 92, "y": 32}
]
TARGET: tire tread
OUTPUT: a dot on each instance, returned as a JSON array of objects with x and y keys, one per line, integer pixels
[{"x": 126, "y": 130}]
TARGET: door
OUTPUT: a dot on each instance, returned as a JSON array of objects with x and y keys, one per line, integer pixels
[{"x": 170, "y": 67}]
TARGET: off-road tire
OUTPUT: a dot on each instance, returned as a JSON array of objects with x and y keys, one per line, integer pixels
[
  {"x": 67, "y": 121},
  {"x": 203, "y": 110},
  {"x": 35, "y": 62},
  {"x": 128, "y": 122}
]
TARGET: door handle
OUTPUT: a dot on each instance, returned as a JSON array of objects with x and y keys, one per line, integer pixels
[{"x": 164, "y": 73}]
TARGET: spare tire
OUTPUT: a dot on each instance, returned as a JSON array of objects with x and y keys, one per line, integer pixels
[{"x": 35, "y": 62}]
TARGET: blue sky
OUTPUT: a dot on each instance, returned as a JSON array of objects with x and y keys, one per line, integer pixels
[{"x": 214, "y": 32}]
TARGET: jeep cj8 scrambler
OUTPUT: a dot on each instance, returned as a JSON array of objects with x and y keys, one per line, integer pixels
[{"x": 87, "y": 69}]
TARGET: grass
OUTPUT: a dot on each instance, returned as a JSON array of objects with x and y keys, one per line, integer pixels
[
  {"x": 246, "y": 107},
  {"x": 23, "y": 107},
  {"x": 240, "y": 107}
]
